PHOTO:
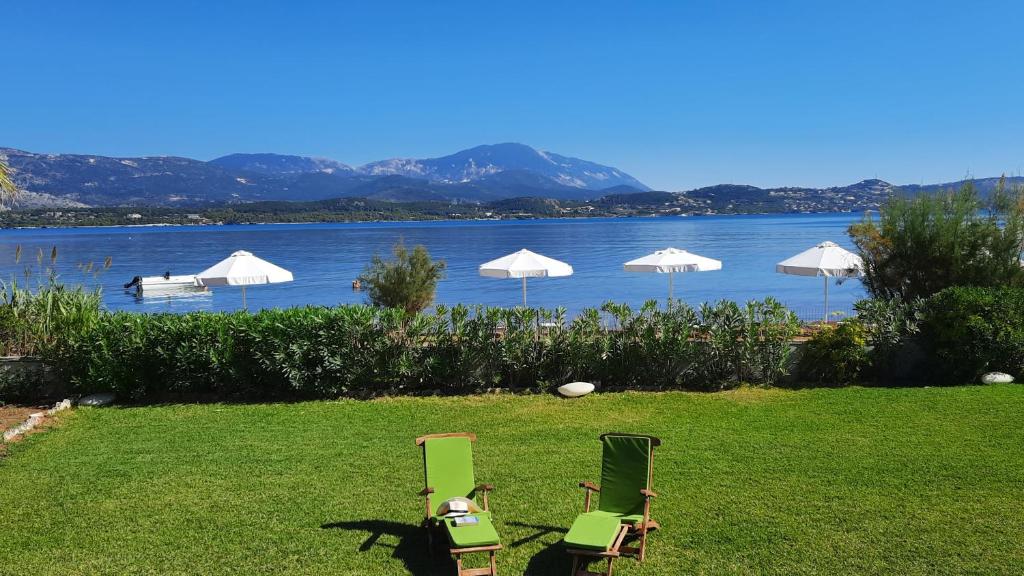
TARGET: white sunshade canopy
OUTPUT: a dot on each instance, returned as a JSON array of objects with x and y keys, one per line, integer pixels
[
  {"x": 672, "y": 260},
  {"x": 243, "y": 269},
  {"x": 524, "y": 264},
  {"x": 826, "y": 259}
]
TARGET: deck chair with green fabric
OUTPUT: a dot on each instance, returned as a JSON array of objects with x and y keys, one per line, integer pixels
[
  {"x": 448, "y": 474},
  {"x": 624, "y": 505}
]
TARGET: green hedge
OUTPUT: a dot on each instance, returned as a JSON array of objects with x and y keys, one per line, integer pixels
[
  {"x": 970, "y": 331},
  {"x": 317, "y": 352}
]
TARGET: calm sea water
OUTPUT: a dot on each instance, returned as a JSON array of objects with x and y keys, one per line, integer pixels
[{"x": 326, "y": 257}]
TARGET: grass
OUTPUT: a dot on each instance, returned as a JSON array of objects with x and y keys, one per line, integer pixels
[{"x": 824, "y": 481}]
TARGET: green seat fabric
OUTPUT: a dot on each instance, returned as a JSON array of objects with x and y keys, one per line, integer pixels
[
  {"x": 625, "y": 470},
  {"x": 593, "y": 531},
  {"x": 448, "y": 467},
  {"x": 468, "y": 536}
]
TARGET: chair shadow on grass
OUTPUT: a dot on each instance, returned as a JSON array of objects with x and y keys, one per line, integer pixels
[
  {"x": 411, "y": 548},
  {"x": 552, "y": 560}
]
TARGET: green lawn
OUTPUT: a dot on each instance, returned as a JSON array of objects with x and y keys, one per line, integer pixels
[{"x": 824, "y": 481}]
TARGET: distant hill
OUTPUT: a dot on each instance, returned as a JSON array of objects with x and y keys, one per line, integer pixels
[
  {"x": 638, "y": 198},
  {"x": 984, "y": 185},
  {"x": 620, "y": 189},
  {"x": 280, "y": 164},
  {"x": 737, "y": 198}
]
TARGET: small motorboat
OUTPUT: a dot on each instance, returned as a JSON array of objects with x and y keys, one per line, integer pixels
[{"x": 166, "y": 285}]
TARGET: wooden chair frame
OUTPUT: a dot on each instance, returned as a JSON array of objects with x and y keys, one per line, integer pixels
[
  {"x": 581, "y": 557},
  {"x": 492, "y": 569}
]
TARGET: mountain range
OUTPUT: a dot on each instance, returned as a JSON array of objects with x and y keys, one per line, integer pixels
[
  {"x": 484, "y": 174},
  {"x": 478, "y": 174}
]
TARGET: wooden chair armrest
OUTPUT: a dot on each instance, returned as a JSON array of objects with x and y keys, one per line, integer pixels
[
  {"x": 590, "y": 488},
  {"x": 648, "y": 493},
  {"x": 426, "y": 491},
  {"x": 485, "y": 488}
]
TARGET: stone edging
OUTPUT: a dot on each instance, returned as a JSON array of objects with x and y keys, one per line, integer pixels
[{"x": 34, "y": 420}]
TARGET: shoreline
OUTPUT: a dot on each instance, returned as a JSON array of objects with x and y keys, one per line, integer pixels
[{"x": 419, "y": 220}]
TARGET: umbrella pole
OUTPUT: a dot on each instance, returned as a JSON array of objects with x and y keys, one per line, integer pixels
[
  {"x": 826, "y": 299},
  {"x": 670, "y": 290},
  {"x": 524, "y": 291},
  {"x": 244, "y": 307}
]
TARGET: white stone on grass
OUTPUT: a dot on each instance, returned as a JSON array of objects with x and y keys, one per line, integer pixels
[
  {"x": 101, "y": 399},
  {"x": 62, "y": 405},
  {"x": 575, "y": 389},
  {"x": 996, "y": 378}
]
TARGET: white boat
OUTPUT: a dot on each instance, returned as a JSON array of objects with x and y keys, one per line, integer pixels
[{"x": 166, "y": 285}]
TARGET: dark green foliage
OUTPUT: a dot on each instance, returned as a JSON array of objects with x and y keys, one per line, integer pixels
[
  {"x": 20, "y": 381},
  {"x": 889, "y": 324},
  {"x": 923, "y": 244},
  {"x": 407, "y": 282},
  {"x": 651, "y": 347},
  {"x": 969, "y": 331},
  {"x": 318, "y": 352},
  {"x": 836, "y": 354},
  {"x": 766, "y": 346}
]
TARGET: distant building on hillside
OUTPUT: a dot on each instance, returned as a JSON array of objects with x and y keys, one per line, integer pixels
[{"x": 134, "y": 216}]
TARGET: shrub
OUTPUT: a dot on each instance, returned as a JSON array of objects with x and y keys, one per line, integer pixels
[
  {"x": 32, "y": 321},
  {"x": 408, "y": 281},
  {"x": 835, "y": 354},
  {"x": 651, "y": 348},
  {"x": 969, "y": 331},
  {"x": 889, "y": 324},
  {"x": 715, "y": 347},
  {"x": 766, "y": 350},
  {"x": 921, "y": 245}
]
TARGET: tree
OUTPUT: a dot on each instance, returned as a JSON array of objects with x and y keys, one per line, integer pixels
[
  {"x": 8, "y": 191},
  {"x": 408, "y": 281},
  {"x": 920, "y": 245}
]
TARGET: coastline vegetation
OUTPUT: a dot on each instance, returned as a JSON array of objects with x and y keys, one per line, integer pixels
[
  {"x": 340, "y": 210},
  {"x": 318, "y": 352}
]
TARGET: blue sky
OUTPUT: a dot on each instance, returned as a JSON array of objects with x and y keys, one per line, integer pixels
[{"x": 679, "y": 94}]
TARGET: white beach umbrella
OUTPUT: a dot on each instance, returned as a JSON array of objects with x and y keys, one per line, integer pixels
[
  {"x": 827, "y": 259},
  {"x": 524, "y": 264},
  {"x": 672, "y": 260},
  {"x": 243, "y": 269}
]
